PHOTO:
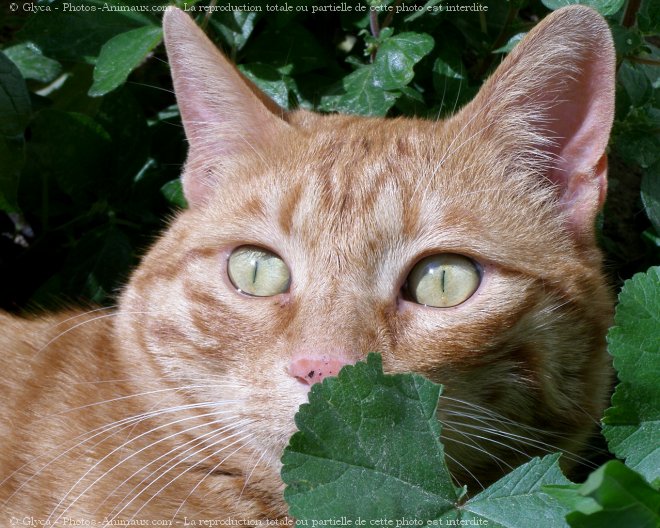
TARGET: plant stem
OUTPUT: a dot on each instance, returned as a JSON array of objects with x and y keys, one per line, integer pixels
[
  {"x": 205, "y": 21},
  {"x": 630, "y": 16},
  {"x": 390, "y": 14},
  {"x": 642, "y": 60},
  {"x": 373, "y": 23},
  {"x": 375, "y": 31},
  {"x": 501, "y": 39}
]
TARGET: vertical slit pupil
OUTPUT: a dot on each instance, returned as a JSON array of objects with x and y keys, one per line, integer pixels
[{"x": 254, "y": 274}]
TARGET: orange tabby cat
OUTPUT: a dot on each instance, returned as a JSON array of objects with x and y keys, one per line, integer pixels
[{"x": 462, "y": 249}]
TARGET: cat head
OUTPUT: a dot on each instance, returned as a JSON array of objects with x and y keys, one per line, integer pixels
[{"x": 462, "y": 249}]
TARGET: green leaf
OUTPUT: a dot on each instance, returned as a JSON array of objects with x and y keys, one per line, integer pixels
[
  {"x": 15, "y": 112},
  {"x": 138, "y": 15},
  {"x": 650, "y": 237},
  {"x": 450, "y": 79},
  {"x": 614, "y": 496},
  {"x": 636, "y": 139},
  {"x": 651, "y": 70},
  {"x": 270, "y": 80},
  {"x": 516, "y": 497},
  {"x": 122, "y": 117},
  {"x": 650, "y": 193},
  {"x": 396, "y": 57},
  {"x": 235, "y": 26},
  {"x": 511, "y": 43},
  {"x": 639, "y": 147},
  {"x": 367, "y": 91},
  {"x": 31, "y": 62},
  {"x": 604, "y": 7},
  {"x": 411, "y": 101},
  {"x": 173, "y": 192},
  {"x": 648, "y": 17},
  {"x": 632, "y": 424},
  {"x": 15, "y": 107},
  {"x": 368, "y": 447},
  {"x": 568, "y": 495},
  {"x": 635, "y": 83},
  {"x": 121, "y": 55},
  {"x": 78, "y": 36},
  {"x": 360, "y": 95},
  {"x": 627, "y": 41}
]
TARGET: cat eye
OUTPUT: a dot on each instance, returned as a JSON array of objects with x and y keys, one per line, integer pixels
[
  {"x": 258, "y": 272},
  {"x": 443, "y": 280}
]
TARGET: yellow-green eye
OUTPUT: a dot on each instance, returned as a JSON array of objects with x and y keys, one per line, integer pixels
[
  {"x": 258, "y": 272},
  {"x": 443, "y": 280}
]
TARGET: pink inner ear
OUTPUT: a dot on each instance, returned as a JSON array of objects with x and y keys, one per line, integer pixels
[
  {"x": 584, "y": 195},
  {"x": 580, "y": 119},
  {"x": 223, "y": 114},
  {"x": 579, "y": 123}
]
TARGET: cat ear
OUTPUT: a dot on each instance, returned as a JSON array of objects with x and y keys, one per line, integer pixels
[
  {"x": 554, "y": 95},
  {"x": 223, "y": 113}
]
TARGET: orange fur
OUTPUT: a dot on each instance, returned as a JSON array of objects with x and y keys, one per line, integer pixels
[{"x": 351, "y": 204}]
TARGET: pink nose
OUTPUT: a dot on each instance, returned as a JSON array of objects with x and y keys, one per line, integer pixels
[{"x": 310, "y": 370}]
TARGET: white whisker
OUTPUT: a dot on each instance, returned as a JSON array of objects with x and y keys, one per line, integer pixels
[
  {"x": 123, "y": 445},
  {"x": 121, "y": 424},
  {"x": 476, "y": 446},
  {"x": 212, "y": 470},
  {"x": 189, "y": 468},
  {"x": 247, "y": 480},
  {"x": 466, "y": 470},
  {"x": 200, "y": 439},
  {"x": 78, "y": 325},
  {"x": 137, "y": 395}
]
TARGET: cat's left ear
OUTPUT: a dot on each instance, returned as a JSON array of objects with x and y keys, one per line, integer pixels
[
  {"x": 553, "y": 99},
  {"x": 223, "y": 113}
]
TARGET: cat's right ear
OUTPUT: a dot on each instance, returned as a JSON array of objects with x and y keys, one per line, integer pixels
[
  {"x": 551, "y": 104},
  {"x": 223, "y": 113}
]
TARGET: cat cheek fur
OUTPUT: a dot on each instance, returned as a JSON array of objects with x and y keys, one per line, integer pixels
[{"x": 513, "y": 181}]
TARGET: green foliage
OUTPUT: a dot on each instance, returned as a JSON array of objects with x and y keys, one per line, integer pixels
[
  {"x": 632, "y": 424},
  {"x": 173, "y": 192},
  {"x": 519, "y": 496},
  {"x": 83, "y": 174},
  {"x": 373, "y": 89},
  {"x": 120, "y": 55},
  {"x": 613, "y": 496},
  {"x": 367, "y": 448},
  {"x": 15, "y": 109},
  {"x": 32, "y": 64},
  {"x": 604, "y": 7},
  {"x": 650, "y": 190}
]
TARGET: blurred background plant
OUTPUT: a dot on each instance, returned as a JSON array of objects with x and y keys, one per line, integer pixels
[{"x": 91, "y": 144}]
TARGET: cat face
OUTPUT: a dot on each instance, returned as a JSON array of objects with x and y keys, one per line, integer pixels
[{"x": 461, "y": 249}]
